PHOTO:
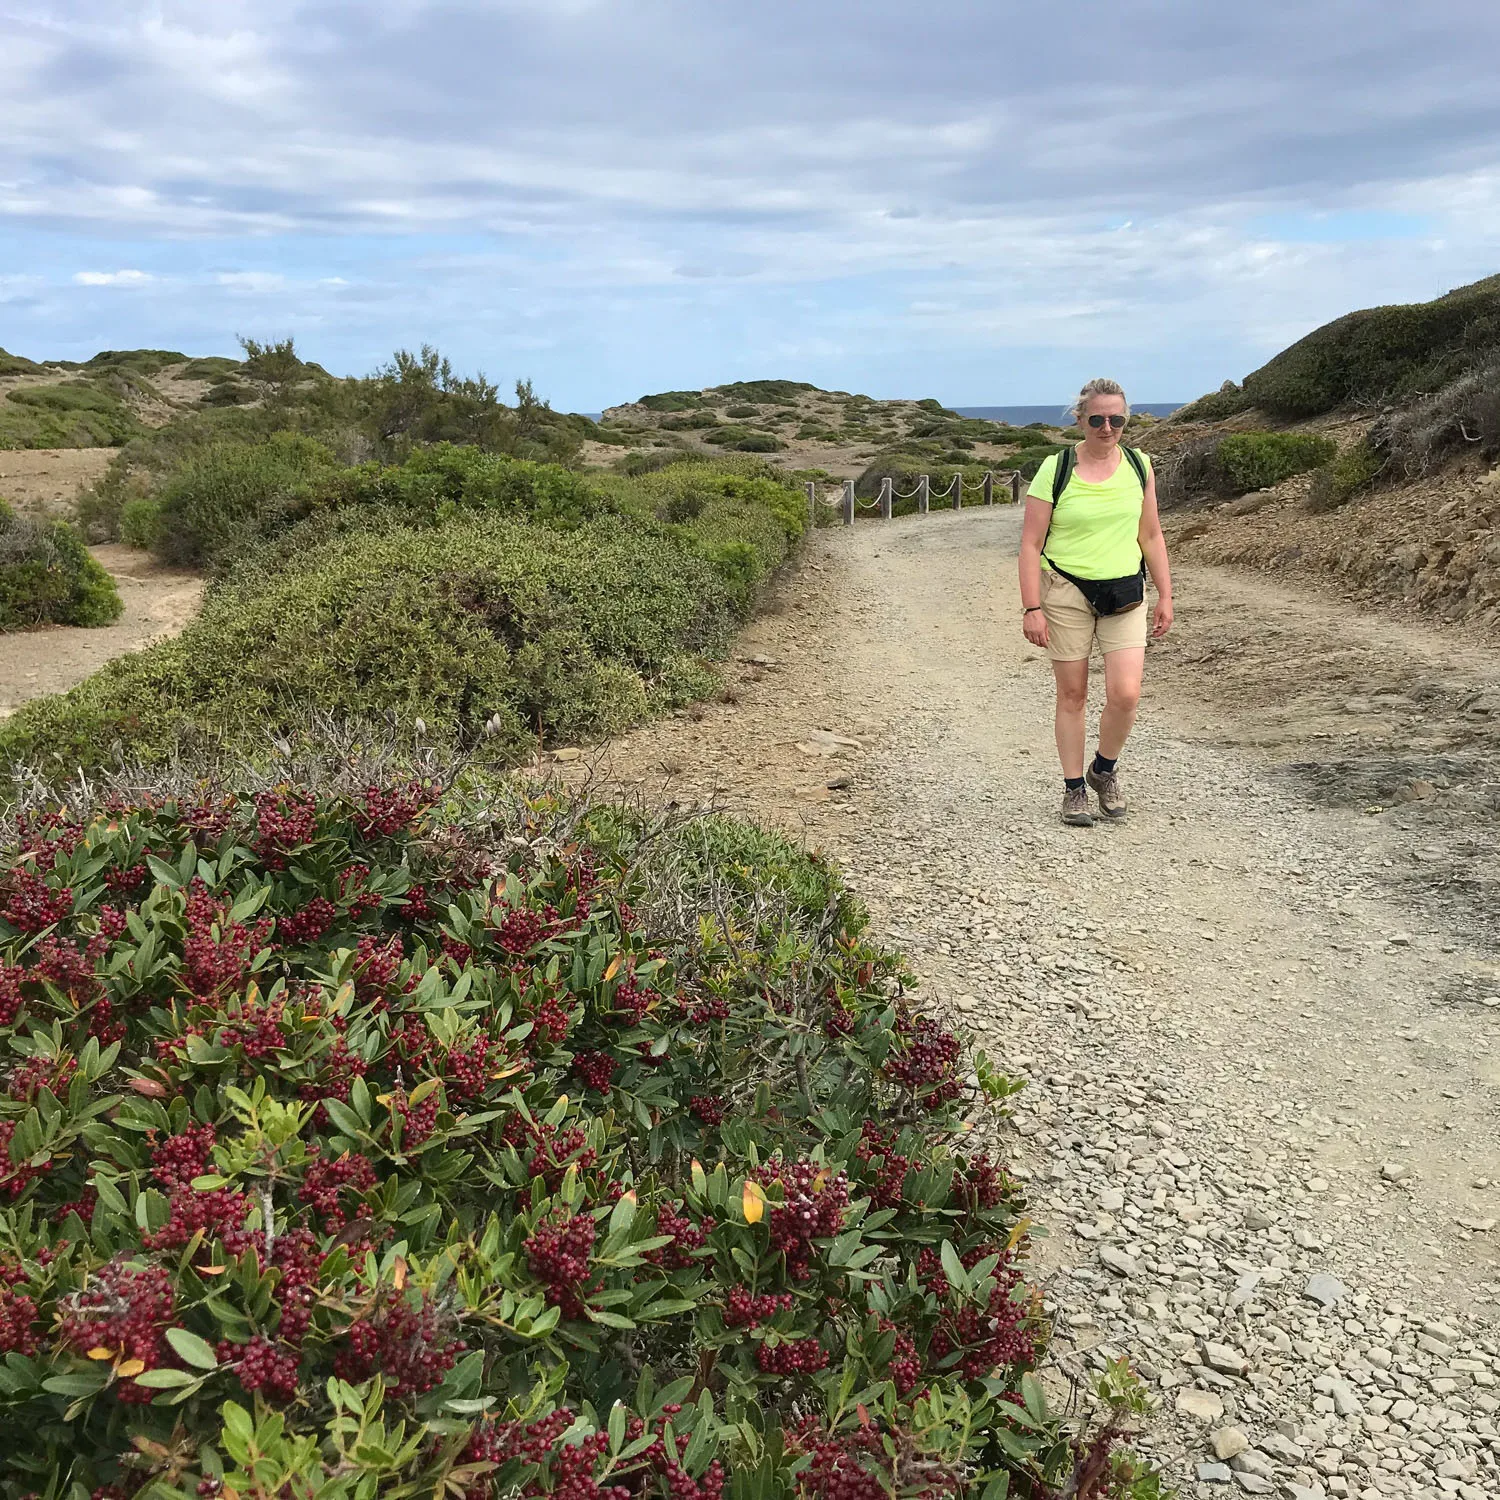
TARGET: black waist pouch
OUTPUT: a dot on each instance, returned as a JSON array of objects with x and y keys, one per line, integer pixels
[{"x": 1109, "y": 596}]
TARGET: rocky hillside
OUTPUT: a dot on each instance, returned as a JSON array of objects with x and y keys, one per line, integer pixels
[{"x": 1366, "y": 456}]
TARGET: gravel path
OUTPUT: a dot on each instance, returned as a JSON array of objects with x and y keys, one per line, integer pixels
[{"x": 1260, "y": 1124}]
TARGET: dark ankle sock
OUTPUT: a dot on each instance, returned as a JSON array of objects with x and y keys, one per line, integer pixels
[
  {"x": 1103, "y": 767},
  {"x": 1073, "y": 783}
]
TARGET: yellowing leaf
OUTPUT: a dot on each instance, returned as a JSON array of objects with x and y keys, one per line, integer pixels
[
  {"x": 210, "y": 1270},
  {"x": 129, "y": 1368},
  {"x": 1022, "y": 1225},
  {"x": 754, "y": 1203},
  {"x": 100, "y": 1352},
  {"x": 399, "y": 1274},
  {"x": 820, "y": 1181},
  {"x": 614, "y": 967}
]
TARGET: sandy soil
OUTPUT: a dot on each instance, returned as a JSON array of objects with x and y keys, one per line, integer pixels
[
  {"x": 46, "y": 481},
  {"x": 159, "y": 602}
]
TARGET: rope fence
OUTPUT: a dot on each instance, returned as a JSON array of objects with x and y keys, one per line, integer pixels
[{"x": 844, "y": 499}]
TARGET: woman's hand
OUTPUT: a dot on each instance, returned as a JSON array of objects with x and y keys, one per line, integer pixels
[
  {"x": 1034, "y": 627},
  {"x": 1162, "y": 622}
]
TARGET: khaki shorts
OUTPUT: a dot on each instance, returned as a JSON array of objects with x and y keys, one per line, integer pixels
[{"x": 1072, "y": 627}]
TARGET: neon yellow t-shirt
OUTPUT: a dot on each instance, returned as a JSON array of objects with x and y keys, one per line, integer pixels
[{"x": 1095, "y": 527}]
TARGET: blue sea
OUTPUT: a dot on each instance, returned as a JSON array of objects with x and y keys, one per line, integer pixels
[{"x": 1021, "y": 416}]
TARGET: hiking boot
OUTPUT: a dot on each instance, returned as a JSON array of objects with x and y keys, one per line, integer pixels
[
  {"x": 1107, "y": 785},
  {"x": 1075, "y": 808}
]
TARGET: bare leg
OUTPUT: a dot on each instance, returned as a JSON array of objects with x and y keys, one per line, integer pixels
[
  {"x": 1122, "y": 696},
  {"x": 1072, "y": 698}
]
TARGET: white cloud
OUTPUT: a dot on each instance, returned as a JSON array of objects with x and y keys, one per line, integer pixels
[{"x": 112, "y": 278}]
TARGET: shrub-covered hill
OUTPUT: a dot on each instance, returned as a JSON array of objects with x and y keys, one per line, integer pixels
[
  {"x": 1367, "y": 451},
  {"x": 1377, "y": 356},
  {"x": 809, "y": 427}
]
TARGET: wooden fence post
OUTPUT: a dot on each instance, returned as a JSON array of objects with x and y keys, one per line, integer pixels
[
  {"x": 989, "y": 488},
  {"x": 812, "y": 502},
  {"x": 1015, "y": 488},
  {"x": 848, "y": 502},
  {"x": 924, "y": 495},
  {"x": 885, "y": 499},
  {"x": 958, "y": 491}
]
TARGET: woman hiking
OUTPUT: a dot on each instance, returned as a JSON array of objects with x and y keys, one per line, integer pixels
[{"x": 1090, "y": 532}]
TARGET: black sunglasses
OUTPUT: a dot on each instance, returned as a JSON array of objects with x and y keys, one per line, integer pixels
[{"x": 1116, "y": 421}]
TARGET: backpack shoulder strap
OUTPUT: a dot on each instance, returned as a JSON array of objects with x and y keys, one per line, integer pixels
[
  {"x": 1137, "y": 463},
  {"x": 1063, "y": 472}
]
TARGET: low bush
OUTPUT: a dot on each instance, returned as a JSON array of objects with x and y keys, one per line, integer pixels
[
  {"x": 1381, "y": 354},
  {"x": 48, "y": 577},
  {"x": 759, "y": 442},
  {"x": 1338, "y": 481},
  {"x": 673, "y": 401},
  {"x": 1256, "y": 460},
  {"x": 210, "y": 367},
  {"x": 17, "y": 364},
  {"x": 904, "y": 467},
  {"x": 737, "y": 412},
  {"x": 70, "y": 414},
  {"x": 1462, "y": 418},
  {"x": 359, "y": 1149},
  {"x": 1029, "y": 460},
  {"x": 693, "y": 421},
  {"x": 762, "y": 390},
  {"x": 1228, "y": 401}
]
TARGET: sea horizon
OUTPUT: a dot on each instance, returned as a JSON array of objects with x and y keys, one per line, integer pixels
[{"x": 1021, "y": 416}]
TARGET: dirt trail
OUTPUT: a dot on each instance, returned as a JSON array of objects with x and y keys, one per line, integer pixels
[
  {"x": 1259, "y": 1020},
  {"x": 159, "y": 602}
]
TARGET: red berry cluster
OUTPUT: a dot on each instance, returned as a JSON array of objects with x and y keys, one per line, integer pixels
[
  {"x": 418, "y": 1120},
  {"x": 794, "y": 1357},
  {"x": 596, "y": 1069},
  {"x": 352, "y": 893},
  {"x": 927, "y": 1061},
  {"x": 814, "y": 1198},
  {"x": 177, "y": 1159},
  {"x": 994, "y": 1337},
  {"x": 11, "y": 998},
  {"x": 886, "y": 1177},
  {"x": 112, "y": 923},
  {"x": 982, "y": 1183},
  {"x": 262, "y": 1366},
  {"x": 30, "y": 904},
  {"x": 393, "y": 809},
  {"x": 308, "y": 923},
  {"x": 707, "y": 1107},
  {"x": 60, "y": 963},
  {"x": 549, "y": 1020},
  {"x": 744, "y": 1309},
  {"x": 465, "y": 1069},
  {"x": 124, "y": 1311},
  {"x": 128, "y": 880},
  {"x": 633, "y": 999},
  {"x": 558, "y": 1252},
  {"x": 283, "y": 822},
  {"x": 905, "y": 1364},
  {"x": 325, "y": 1182},
  {"x": 15, "y": 1175},
  {"x": 17, "y": 1323},
  {"x": 853, "y": 1466},
  {"x": 703, "y": 1009},
  {"x": 210, "y": 820},
  {"x": 547, "y": 1150},
  {"x": 299, "y": 1260},
  {"x": 407, "y": 1344},
  {"x": 686, "y": 1238},
  {"x": 42, "y": 1072},
  {"x": 563, "y": 1473},
  {"x": 419, "y": 907},
  {"x": 520, "y": 930},
  {"x": 219, "y": 1212},
  {"x": 839, "y": 1020},
  {"x": 376, "y": 965}
]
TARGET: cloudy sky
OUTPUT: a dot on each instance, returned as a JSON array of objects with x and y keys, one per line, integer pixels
[{"x": 987, "y": 202}]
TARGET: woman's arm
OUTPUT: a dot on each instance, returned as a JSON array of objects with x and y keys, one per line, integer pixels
[
  {"x": 1033, "y": 535},
  {"x": 1154, "y": 550}
]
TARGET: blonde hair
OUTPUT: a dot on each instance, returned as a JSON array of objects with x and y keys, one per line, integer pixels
[{"x": 1099, "y": 387}]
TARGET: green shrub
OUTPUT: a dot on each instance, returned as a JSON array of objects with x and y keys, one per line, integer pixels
[
  {"x": 673, "y": 401},
  {"x": 376, "y": 1144},
  {"x": 1355, "y": 469},
  {"x": 142, "y": 362},
  {"x": 228, "y": 392},
  {"x": 215, "y": 503},
  {"x": 762, "y": 390},
  {"x": 16, "y": 364},
  {"x": 1029, "y": 460},
  {"x": 1257, "y": 460},
  {"x": 689, "y": 422},
  {"x": 741, "y": 411},
  {"x": 71, "y": 414},
  {"x": 759, "y": 442},
  {"x": 140, "y": 522},
  {"x": 1381, "y": 353},
  {"x": 211, "y": 367},
  {"x": 47, "y": 577}
]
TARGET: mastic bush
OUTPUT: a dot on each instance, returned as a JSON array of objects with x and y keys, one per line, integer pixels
[
  {"x": 1228, "y": 401},
  {"x": 70, "y": 414},
  {"x": 48, "y": 577},
  {"x": 1461, "y": 418},
  {"x": 1339, "y": 480},
  {"x": 352, "y": 1145},
  {"x": 1256, "y": 460}
]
